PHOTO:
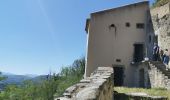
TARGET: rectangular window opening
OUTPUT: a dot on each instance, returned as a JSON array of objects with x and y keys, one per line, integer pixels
[
  {"x": 127, "y": 24},
  {"x": 140, "y": 25},
  {"x": 118, "y": 60}
]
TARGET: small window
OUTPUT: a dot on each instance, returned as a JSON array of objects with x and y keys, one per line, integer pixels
[
  {"x": 127, "y": 24},
  {"x": 140, "y": 25},
  {"x": 112, "y": 25},
  {"x": 118, "y": 60}
]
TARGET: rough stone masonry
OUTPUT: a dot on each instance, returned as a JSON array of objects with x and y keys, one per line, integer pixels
[
  {"x": 161, "y": 23},
  {"x": 99, "y": 86}
]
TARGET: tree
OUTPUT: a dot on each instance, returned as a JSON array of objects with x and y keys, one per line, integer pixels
[{"x": 2, "y": 77}]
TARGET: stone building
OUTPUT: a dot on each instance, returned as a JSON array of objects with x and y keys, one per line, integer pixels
[{"x": 120, "y": 37}]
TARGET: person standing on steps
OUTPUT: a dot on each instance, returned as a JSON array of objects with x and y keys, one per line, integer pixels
[
  {"x": 155, "y": 52},
  {"x": 166, "y": 57},
  {"x": 161, "y": 55}
]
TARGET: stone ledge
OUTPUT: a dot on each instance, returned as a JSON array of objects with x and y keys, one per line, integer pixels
[{"x": 96, "y": 87}]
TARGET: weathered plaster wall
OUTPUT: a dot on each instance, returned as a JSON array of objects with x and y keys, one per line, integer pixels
[
  {"x": 142, "y": 80},
  {"x": 99, "y": 86}
]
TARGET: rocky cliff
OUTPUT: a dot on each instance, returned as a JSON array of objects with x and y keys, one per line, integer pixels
[{"x": 161, "y": 23}]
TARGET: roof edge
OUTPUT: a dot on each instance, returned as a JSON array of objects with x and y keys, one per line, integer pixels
[
  {"x": 126, "y": 5},
  {"x": 87, "y": 24}
]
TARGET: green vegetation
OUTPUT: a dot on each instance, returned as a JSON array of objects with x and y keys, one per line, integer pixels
[
  {"x": 1, "y": 77},
  {"x": 30, "y": 91},
  {"x": 45, "y": 90},
  {"x": 159, "y": 3},
  {"x": 152, "y": 92},
  {"x": 70, "y": 75}
]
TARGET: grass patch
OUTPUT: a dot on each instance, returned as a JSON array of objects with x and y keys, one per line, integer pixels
[{"x": 151, "y": 92}]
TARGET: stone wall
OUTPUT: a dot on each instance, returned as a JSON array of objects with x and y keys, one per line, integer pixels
[
  {"x": 161, "y": 23},
  {"x": 157, "y": 78},
  {"x": 161, "y": 11},
  {"x": 99, "y": 86}
]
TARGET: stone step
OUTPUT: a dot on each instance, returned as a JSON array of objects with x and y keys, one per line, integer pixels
[
  {"x": 168, "y": 77},
  {"x": 164, "y": 70},
  {"x": 160, "y": 64},
  {"x": 166, "y": 73},
  {"x": 155, "y": 62}
]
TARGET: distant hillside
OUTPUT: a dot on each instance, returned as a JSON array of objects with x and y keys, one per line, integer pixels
[
  {"x": 14, "y": 79},
  {"x": 159, "y": 3},
  {"x": 19, "y": 79},
  {"x": 39, "y": 78}
]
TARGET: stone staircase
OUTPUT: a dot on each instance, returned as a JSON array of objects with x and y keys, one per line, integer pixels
[
  {"x": 159, "y": 75},
  {"x": 160, "y": 66}
]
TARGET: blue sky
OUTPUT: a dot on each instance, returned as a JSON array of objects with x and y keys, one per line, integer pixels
[{"x": 39, "y": 36}]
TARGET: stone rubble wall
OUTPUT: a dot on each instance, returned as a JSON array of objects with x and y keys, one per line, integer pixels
[
  {"x": 99, "y": 86},
  {"x": 161, "y": 11},
  {"x": 157, "y": 79},
  {"x": 161, "y": 23}
]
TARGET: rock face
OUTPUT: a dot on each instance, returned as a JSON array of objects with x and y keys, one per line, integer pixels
[
  {"x": 161, "y": 23},
  {"x": 99, "y": 86}
]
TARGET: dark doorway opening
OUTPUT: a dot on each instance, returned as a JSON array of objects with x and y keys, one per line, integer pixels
[
  {"x": 138, "y": 52},
  {"x": 141, "y": 78},
  {"x": 118, "y": 75}
]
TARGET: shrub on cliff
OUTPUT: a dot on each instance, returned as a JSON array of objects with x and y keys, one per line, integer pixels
[
  {"x": 159, "y": 3},
  {"x": 70, "y": 75}
]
